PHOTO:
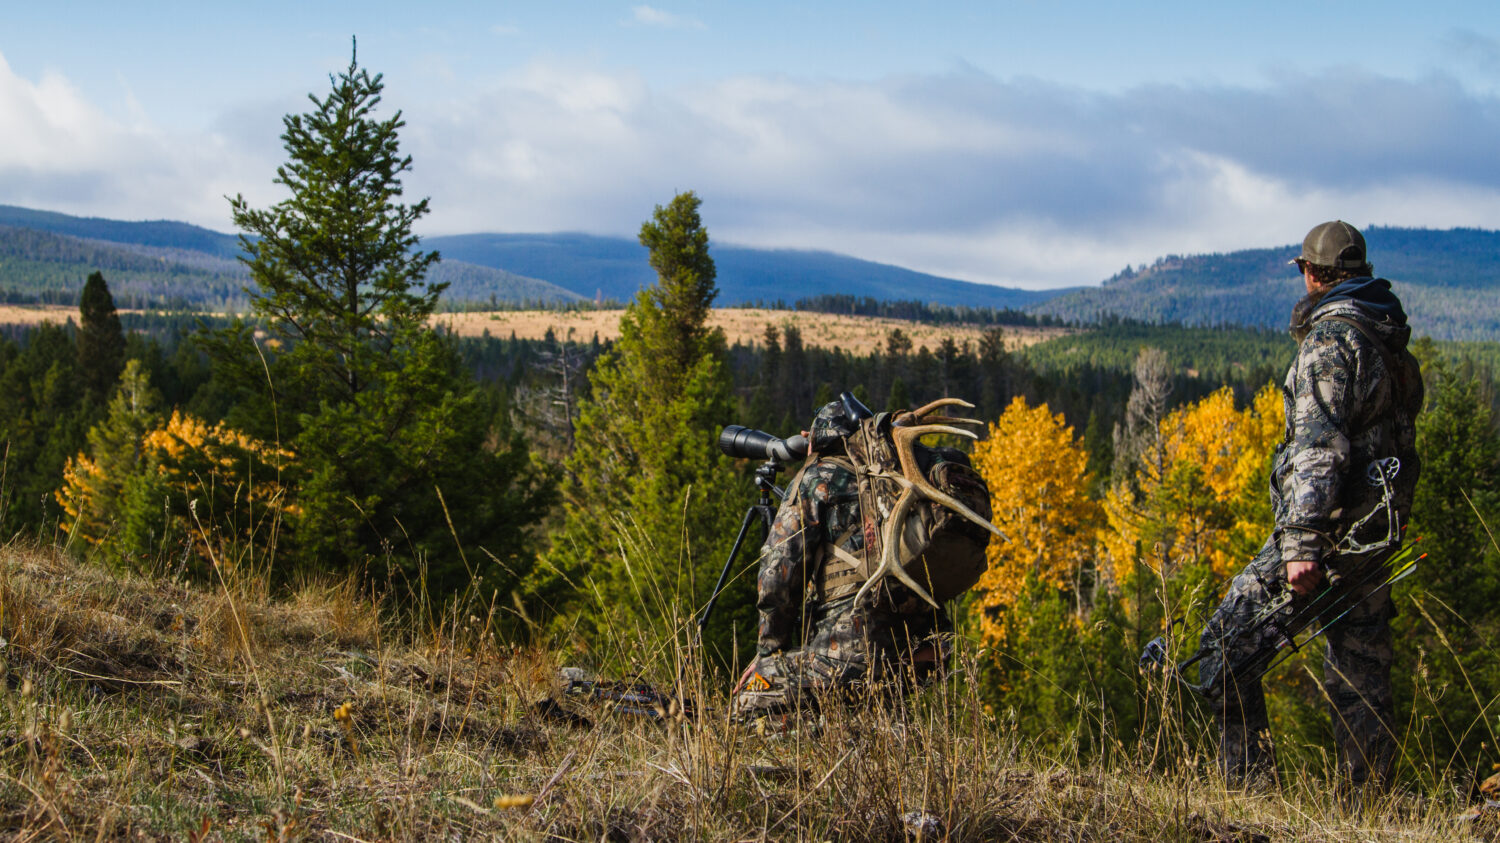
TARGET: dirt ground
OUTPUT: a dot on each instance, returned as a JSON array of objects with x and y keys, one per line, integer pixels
[{"x": 858, "y": 335}]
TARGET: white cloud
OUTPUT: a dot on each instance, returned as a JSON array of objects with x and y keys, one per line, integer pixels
[
  {"x": 651, "y": 16},
  {"x": 1006, "y": 181},
  {"x": 65, "y": 154},
  {"x": 1010, "y": 182}
]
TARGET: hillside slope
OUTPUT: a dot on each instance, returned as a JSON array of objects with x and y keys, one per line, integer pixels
[
  {"x": 164, "y": 234},
  {"x": 151, "y": 709},
  {"x": 509, "y": 268},
  {"x": 615, "y": 268},
  {"x": 40, "y": 265},
  {"x": 1448, "y": 280}
]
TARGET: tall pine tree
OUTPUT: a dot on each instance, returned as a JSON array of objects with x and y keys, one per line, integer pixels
[
  {"x": 651, "y": 504},
  {"x": 402, "y": 457},
  {"x": 101, "y": 341}
]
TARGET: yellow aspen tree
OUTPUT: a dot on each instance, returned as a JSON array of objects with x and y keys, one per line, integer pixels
[
  {"x": 1202, "y": 442},
  {"x": 1202, "y": 505},
  {"x": 1253, "y": 519},
  {"x": 1036, "y": 470},
  {"x": 226, "y": 485},
  {"x": 181, "y": 477}
]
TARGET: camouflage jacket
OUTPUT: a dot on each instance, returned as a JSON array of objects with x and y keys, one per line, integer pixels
[
  {"x": 821, "y": 508},
  {"x": 1344, "y": 411}
]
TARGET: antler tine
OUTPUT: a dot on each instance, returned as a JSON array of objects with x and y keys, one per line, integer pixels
[
  {"x": 953, "y": 420},
  {"x": 920, "y": 430},
  {"x": 904, "y": 437},
  {"x": 941, "y": 402},
  {"x": 919, "y": 415},
  {"x": 890, "y": 550},
  {"x": 914, "y": 483}
]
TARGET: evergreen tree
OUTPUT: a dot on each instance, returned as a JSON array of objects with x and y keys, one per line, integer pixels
[
  {"x": 1447, "y": 612},
  {"x": 651, "y": 505},
  {"x": 340, "y": 284},
  {"x": 44, "y": 419},
  {"x": 93, "y": 491},
  {"x": 101, "y": 341},
  {"x": 1100, "y": 449},
  {"x": 395, "y": 444}
]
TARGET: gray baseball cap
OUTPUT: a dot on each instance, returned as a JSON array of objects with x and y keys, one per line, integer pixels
[{"x": 1337, "y": 244}]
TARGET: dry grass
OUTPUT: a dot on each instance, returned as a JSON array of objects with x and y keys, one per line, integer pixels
[
  {"x": 858, "y": 335},
  {"x": 36, "y": 314},
  {"x": 135, "y": 707}
]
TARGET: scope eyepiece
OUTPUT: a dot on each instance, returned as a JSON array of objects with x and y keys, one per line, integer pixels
[{"x": 747, "y": 443}]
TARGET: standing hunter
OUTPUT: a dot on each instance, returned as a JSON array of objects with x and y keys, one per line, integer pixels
[{"x": 1351, "y": 401}]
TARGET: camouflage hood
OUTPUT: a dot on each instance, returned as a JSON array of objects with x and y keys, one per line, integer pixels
[{"x": 1371, "y": 301}]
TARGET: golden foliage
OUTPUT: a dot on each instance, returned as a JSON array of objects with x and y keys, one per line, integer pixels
[
  {"x": 82, "y": 483},
  {"x": 1199, "y": 505},
  {"x": 1037, "y": 473},
  {"x": 188, "y": 451},
  {"x": 203, "y": 478}
]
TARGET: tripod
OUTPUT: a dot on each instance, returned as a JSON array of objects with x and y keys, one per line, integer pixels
[{"x": 764, "y": 512}]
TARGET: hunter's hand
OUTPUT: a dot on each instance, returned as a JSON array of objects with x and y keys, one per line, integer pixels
[{"x": 1303, "y": 575}]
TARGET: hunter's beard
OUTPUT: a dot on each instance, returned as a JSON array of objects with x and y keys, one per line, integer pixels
[{"x": 1302, "y": 312}]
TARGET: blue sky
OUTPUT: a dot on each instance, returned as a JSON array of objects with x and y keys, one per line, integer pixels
[{"x": 1030, "y": 144}]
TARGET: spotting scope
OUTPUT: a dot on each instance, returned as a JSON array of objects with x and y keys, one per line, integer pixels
[{"x": 751, "y": 444}]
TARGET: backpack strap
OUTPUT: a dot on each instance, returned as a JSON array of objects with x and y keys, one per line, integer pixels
[
  {"x": 840, "y": 572},
  {"x": 1385, "y": 353},
  {"x": 1395, "y": 374},
  {"x": 843, "y": 572}
]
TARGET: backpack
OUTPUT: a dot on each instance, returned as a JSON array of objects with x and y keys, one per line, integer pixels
[{"x": 939, "y": 549}]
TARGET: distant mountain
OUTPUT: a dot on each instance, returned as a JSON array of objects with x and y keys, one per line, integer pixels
[
  {"x": 46, "y": 257},
  {"x": 482, "y": 268},
  {"x": 40, "y": 266},
  {"x": 1448, "y": 280},
  {"x": 160, "y": 233},
  {"x": 615, "y": 268}
]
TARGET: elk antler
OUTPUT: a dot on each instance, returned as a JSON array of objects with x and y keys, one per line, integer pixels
[
  {"x": 890, "y": 546},
  {"x": 922, "y": 414},
  {"x": 904, "y": 437},
  {"x": 914, "y": 483}
]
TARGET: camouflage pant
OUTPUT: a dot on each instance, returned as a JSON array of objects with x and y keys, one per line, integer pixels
[
  {"x": 844, "y": 658},
  {"x": 1356, "y": 675}
]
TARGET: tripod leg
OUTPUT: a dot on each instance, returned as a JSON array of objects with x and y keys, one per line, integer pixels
[{"x": 755, "y": 512}]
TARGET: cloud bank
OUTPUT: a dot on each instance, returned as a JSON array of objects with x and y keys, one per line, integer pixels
[
  {"x": 1012, "y": 181},
  {"x": 651, "y": 16}
]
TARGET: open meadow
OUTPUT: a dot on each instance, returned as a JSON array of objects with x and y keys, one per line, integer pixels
[{"x": 858, "y": 335}]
